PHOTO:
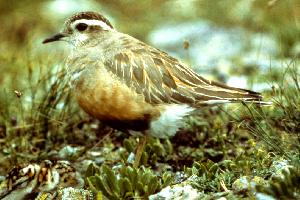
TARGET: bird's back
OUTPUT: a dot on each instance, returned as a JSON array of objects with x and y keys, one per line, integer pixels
[{"x": 160, "y": 78}]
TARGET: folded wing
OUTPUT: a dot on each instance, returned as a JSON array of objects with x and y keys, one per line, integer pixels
[{"x": 163, "y": 79}]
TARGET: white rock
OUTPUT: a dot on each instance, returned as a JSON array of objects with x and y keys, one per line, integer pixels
[
  {"x": 68, "y": 151},
  {"x": 176, "y": 192},
  {"x": 261, "y": 196}
]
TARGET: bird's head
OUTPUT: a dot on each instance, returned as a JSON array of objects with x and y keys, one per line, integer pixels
[{"x": 80, "y": 27}]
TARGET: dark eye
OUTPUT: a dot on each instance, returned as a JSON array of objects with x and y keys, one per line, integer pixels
[{"x": 81, "y": 26}]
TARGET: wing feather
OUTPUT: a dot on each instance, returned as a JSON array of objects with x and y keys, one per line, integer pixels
[{"x": 161, "y": 78}]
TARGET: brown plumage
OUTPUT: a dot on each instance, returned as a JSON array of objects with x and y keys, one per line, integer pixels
[
  {"x": 89, "y": 16},
  {"x": 163, "y": 79},
  {"x": 121, "y": 80}
]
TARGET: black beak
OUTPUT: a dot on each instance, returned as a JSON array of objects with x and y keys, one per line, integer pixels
[{"x": 54, "y": 38}]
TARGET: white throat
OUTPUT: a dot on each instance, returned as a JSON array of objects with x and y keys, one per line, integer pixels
[{"x": 79, "y": 39}]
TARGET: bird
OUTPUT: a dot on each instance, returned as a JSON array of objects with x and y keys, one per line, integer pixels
[{"x": 132, "y": 86}]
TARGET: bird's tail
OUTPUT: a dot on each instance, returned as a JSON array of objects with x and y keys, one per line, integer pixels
[{"x": 218, "y": 93}]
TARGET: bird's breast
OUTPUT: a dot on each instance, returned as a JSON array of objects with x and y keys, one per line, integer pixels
[{"x": 103, "y": 96}]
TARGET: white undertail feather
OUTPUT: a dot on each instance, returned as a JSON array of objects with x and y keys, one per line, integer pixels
[{"x": 170, "y": 120}]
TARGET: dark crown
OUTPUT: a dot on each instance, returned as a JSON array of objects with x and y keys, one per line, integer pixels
[{"x": 88, "y": 15}]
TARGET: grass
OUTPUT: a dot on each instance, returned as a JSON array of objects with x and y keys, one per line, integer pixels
[{"x": 216, "y": 147}]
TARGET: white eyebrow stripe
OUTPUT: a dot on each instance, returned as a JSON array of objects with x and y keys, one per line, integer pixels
[{"x": 93, "y": 22}]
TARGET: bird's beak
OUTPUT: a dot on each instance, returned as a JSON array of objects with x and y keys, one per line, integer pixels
[{"x": 55, "y": 37}]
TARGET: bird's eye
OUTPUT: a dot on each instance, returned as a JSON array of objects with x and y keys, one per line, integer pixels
[{"x": 81, "y": 26}]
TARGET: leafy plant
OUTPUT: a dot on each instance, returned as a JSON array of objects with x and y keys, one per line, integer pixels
[
  {"x": 210, "y": 177},
  {"x": 125, "y": 182},
  {"x": 155, "y": 150},
  {"x": 286, "y": 186}
]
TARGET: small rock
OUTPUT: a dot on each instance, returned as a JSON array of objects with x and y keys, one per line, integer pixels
[
  {"x": 278, "y": 166},
  {"x": 245, "y": 183},
  {"x": 68, "y": 151},
  {"x": 131, "y": 158},
  {"x": 177, "y": 192},
  {"x": 261, "y": 196},
  {"x": 72, "y": 193}
]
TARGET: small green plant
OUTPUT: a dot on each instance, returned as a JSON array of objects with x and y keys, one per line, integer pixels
[
  {"x": 286, "y": 186},
  {"x": 211, "y": 177},
  {"x": 125, "y": 182},
  {"x": 155, "y": 150}
]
